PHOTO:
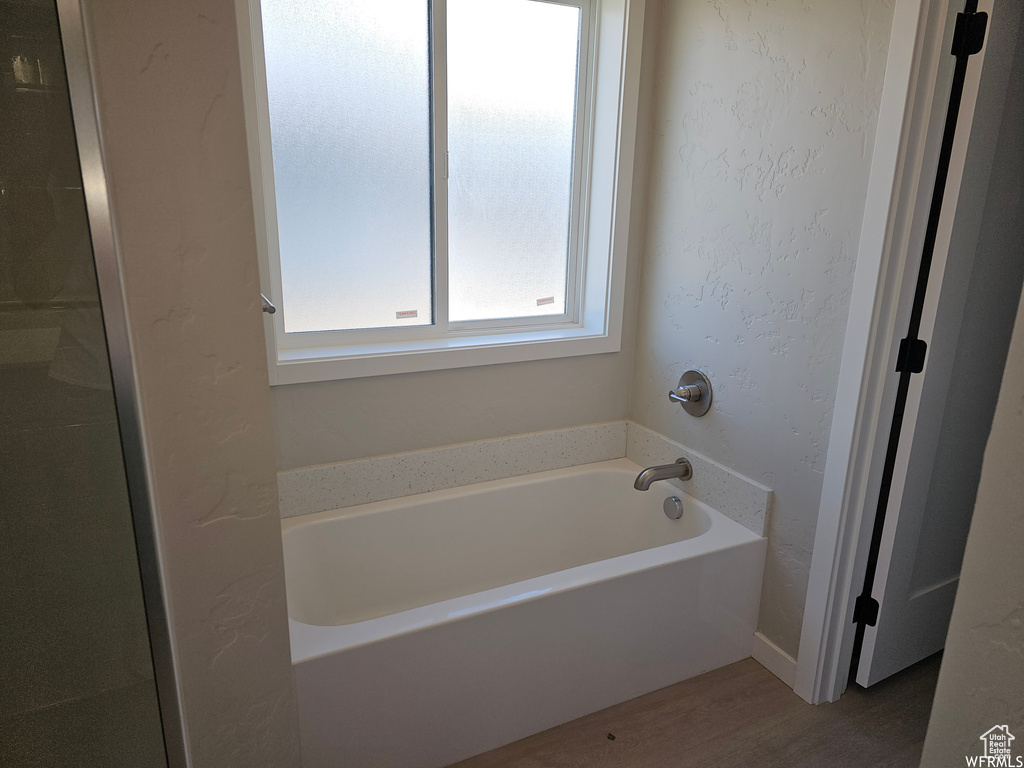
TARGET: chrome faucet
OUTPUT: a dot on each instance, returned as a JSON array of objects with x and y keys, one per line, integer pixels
[{"x": 681, "y": 470}]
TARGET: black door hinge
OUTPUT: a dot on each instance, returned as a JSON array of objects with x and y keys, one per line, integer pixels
[
  {"x": 865, "y": 611},
  {"x": 969, "y": 33},
  {"x": 911, "y": 355}
]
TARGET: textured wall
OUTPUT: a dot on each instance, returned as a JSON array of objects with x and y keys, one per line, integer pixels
[
  {"x": 340, "y": 420},
  {"x": 170, "y": 106},
  {"x": 983, "y": 667},
  {"x": 763, "y": 129},
  {"x": 330, "y": 421}
]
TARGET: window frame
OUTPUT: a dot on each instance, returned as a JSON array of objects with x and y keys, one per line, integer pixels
[
  {"x": 580, "y": 171},
  {"x": 608, "y": 85}
]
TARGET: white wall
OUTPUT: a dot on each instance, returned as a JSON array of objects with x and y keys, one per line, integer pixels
[
  {"x": 170, "y": 107},
  {"x": 982, "y": 674},
  {"x": 763, "y": 129},
  {"x": 339, "y": 420},
  {"x": 332, "y": 421}
]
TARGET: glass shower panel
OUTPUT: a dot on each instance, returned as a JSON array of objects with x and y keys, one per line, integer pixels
[{"x": 76, "y": 674}]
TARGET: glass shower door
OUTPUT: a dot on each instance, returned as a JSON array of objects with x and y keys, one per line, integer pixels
[{"x": 76, "y": 671}]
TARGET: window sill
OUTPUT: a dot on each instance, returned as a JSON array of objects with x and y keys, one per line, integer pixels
[{"x": 308, "y": 364}]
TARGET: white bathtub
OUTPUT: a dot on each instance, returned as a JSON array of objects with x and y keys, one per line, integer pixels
[{"x": 431, "y": 628}]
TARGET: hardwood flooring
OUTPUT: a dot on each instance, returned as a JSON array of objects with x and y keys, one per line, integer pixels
[{"x": 740, "y": 715}]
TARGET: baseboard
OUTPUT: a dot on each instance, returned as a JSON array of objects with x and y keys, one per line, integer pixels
[{"x": 774, "y": 659}]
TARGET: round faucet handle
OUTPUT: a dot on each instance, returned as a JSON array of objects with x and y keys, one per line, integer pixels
[
  {"x": 693, "y": 393},
  {"x": 687, "y": 393}
]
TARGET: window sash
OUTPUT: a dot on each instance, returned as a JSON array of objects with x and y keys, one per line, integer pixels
[{"x": 441, "y": 327}]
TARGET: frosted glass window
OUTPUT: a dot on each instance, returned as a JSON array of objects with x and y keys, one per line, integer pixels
[
  {"x": 348, "y": 87},
  {"x": 512, "y": 74}
]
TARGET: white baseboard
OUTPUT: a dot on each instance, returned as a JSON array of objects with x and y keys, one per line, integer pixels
[{"x": 774, "y": 659}]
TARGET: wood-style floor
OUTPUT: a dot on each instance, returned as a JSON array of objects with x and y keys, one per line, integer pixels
[{"x": 740, "y": 715}]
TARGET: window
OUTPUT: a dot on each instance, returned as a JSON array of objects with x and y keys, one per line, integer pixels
[{"x": 426, "y": 174}]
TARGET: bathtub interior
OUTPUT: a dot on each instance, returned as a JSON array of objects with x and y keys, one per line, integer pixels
[{"x": 374, "y": 560}]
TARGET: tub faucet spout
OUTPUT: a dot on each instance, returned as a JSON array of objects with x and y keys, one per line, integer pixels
[{"x": 681, "y": 470}]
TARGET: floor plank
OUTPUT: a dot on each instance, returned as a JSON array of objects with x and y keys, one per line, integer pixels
[{"x": 739, "y": 715}]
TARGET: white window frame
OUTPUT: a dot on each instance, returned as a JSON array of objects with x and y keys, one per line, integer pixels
[{"x": 602, "y": 181}]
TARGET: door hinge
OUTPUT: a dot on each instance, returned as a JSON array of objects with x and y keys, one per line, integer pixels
[
  {"x": 865, "y": 611},
  {"x": 969, "y": 33},
  {"x": 911, "y": 355}
]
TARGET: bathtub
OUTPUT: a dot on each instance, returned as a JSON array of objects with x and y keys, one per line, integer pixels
[{"x": 434, "y": 627}]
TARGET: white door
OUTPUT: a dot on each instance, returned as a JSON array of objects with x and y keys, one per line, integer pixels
[{"x": 969, "y": 312}]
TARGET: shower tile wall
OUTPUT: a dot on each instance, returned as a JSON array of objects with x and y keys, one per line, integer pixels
[{"x": 76, "y": 676}]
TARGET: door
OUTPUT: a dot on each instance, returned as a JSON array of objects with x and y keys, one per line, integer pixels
[{"x": 968, "y": 317}]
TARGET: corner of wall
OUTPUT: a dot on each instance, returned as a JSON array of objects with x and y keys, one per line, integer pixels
[{"x": 641, "y": 187}]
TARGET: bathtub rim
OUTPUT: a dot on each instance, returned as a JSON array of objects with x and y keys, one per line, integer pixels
[
  {"x": 311, "y": 641},
  {"x": 472, "y": 489}
]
